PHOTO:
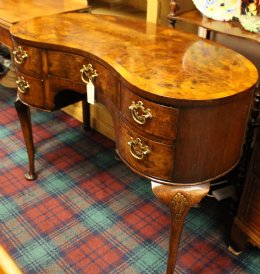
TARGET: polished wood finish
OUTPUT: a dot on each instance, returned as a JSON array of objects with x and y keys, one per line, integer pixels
[
  {"x": 246, "y": 224},
  {"x": 164, "y": 81},
  {"x": 194, "y": 90},
  {"x": 179, "y": 199},
  {"x": 23, "y": 112}
]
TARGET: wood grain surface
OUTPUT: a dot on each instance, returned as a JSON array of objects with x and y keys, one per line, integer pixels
[{"x": 163, "y": 64}]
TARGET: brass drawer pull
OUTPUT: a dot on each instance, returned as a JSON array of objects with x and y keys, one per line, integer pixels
[
  {"x": 19, "y": 55},
  {"x": 23, "y": 86},
  {"x": 88, "y": 73},
  {"x": 137, "y": 149},
  {"x": 140, "y": 119}
]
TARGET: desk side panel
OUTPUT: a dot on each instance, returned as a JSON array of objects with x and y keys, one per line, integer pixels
[{"x": 210, "y": 139}]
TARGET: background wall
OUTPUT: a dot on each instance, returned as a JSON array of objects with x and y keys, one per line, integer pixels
[{"x": 247, "y": 48}]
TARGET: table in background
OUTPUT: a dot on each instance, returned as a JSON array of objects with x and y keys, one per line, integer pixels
[
  {"x": 12, "y": 12},
  {"x": 228, "y": 28}
]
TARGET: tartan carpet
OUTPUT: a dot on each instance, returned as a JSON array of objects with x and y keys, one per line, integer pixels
[{"x": 88, "y": 213}]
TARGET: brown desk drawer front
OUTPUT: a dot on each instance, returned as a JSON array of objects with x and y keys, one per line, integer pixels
[
  {"x": 76, "y": 68},
  {"x": 30, "y": 90},
  {"x": 27, "y": 60},
  {"x": 146, "y": 156},
  {"x": 148, "y": 116}
]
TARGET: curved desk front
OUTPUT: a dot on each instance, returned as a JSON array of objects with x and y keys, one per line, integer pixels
[{"x": 179, "y": 103}]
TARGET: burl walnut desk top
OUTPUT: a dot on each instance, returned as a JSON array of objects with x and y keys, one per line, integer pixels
[{"x": 179, "y": 103}]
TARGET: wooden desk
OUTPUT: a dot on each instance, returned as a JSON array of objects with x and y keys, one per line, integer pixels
[
  {"x": 179, "y": 103},
  {"x": 12, "y": 12}
]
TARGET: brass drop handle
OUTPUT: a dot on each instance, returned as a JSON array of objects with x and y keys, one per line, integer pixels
[
  {"x": 19, "y": 55},
  {"x": 137, "y": 149},
  {"x": 140, "y": 118},
  {"x": 23, "y": 85},
  {"x": 88, "y": 73}
]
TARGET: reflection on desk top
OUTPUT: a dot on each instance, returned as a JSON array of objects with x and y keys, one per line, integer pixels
[
  {"x": 12, "y": 11},
  {"x": 229, "y": 28},
  {"x": 164, "y": 64}
]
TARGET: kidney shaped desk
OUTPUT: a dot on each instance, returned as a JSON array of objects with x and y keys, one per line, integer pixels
[{"x": 179, "y": 103}]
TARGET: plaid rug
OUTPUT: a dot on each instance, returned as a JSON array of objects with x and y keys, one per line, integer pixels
[{"x": 88, "y": 213}]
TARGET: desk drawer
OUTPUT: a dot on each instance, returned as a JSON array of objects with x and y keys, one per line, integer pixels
[
  {"x": 30, "y": 90},
  {"x": 68, "y": 66},
  {"x": 27, "y": 60},
  {"x": 144, "y": 155},
  {"x": 153, "y": 118}
]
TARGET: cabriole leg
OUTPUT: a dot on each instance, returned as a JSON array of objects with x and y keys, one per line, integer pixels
[
  {"x": 23, "y": 112},
  {"x": 179, "y": 198}
]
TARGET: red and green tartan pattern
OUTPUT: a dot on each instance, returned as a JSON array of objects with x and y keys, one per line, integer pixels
[{"x": 89, "y": 213}]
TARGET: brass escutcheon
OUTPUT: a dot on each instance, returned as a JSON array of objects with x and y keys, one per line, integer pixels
[
  {"x": 88, "y": 73},
  {"x": 137, "y": 149},
  {"x": 23, "y": 85},
  {"x": 135, "y": 108},
  {"x": 19, "y": 55}
]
